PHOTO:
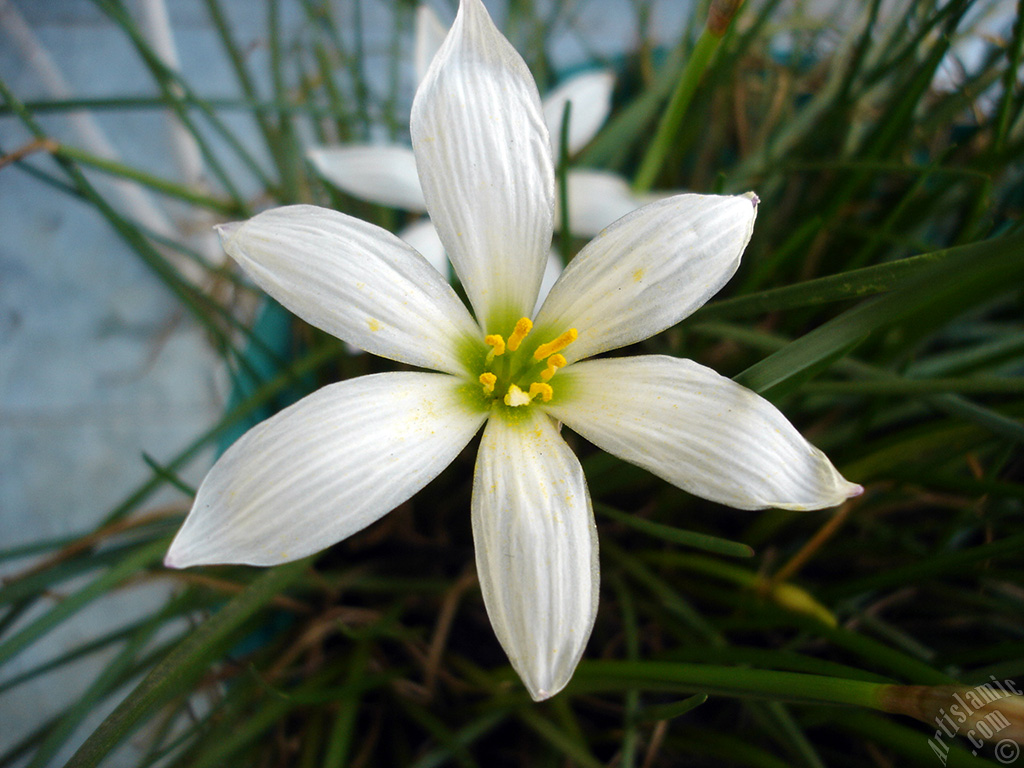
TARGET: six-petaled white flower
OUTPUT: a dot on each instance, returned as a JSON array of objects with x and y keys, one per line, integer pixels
[{"x": 344, "y": 456}]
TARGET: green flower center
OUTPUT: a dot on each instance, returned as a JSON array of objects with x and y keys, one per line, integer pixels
[{"x": 517, "y": 374}]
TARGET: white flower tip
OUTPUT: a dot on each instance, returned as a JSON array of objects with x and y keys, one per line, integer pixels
[
  {"x": 825, "y": 488},
  {"x": 186, "y": 549},
  {"x": 172, "y": 560},
  {"x": 841, "y": 492},
  {"x": 550, "y": 686},
  {"x": 320, "y": 159},
  {"x": 540, "y": 695},
  {"x": 315, "y": 155},
  {"x": 753, "y": 198},
  {"x": 227, "y": 230},
  {"x": 178, "y": 555}
]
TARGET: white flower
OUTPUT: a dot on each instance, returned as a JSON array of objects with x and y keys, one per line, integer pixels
[
  {"x": 386, "y": 173},
  {"x": 344, "y": 456}
]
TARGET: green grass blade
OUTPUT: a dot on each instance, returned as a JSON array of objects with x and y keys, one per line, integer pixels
[
  {"x": 855, "y": 284},
  {"x": 969, "y": 275},
  {"x": 127, "y": 568},
  {"x": 693, "y": 539},
  {"x": 185, "y": 664},
  {"x": 742, "y": 682}
]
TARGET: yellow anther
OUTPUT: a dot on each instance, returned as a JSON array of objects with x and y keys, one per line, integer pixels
[
  {"x": 544, "y": 390},
  {"x": 488, "y": 379},
  {"x": 554, "y": 363},
  {"x": 497, "y": 345},
  {"x": 516, "y": 396},
  {"x": 563, "y": 341},
  {"x": 523, "y": 326}
]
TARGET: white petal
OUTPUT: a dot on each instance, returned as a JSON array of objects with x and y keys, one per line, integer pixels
[
  {"x": 597, "y": 199},
  {"x": 355, "y": 281},
  {"x": 324, "y": 468},
  {"x": 552, "y": 271},
  {"x": 378, "y": 173},
  {"x": 648, "y": 271},
  {"x": 430, "y": 33},
  {"x": 698, "y": 430},
  {"x": 591, "y": 97},
  {"x": 484, "y": 160},
  {"x": 422, "y": 236},
  {"x": 536, "y": 549}
]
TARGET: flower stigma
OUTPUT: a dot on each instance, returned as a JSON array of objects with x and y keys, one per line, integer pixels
[{"x": 518, "y": 377}]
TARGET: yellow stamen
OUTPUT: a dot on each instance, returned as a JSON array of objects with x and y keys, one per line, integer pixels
[
  {"x": 554, "y": 363},
  {"x": 497, "y": 345},
  {"x": 516, "y": 396},
  {"x": 544, "y": 390},
  {"x": 523, "y": 326},
  {"x": 488, "y": 379},
  {"x": 563, "y": 341}
]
